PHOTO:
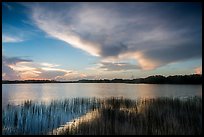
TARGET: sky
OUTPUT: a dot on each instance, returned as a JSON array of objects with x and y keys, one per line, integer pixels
[{"x": 87, "y": 40}]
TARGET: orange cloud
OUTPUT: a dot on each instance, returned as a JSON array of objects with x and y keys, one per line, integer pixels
[
  {"x": 144, "y": 62},
  {"x": 198, "y": 70},
  {"x": 43, "y": 71}
]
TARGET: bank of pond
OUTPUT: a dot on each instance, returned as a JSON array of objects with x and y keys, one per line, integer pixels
[{"x": 107, "y": 116}]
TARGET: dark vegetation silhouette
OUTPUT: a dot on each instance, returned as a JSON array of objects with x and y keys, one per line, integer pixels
[{"x": 157, "y": 79}]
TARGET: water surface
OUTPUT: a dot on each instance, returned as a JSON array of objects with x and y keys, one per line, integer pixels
[{"x": 17, "y": 93}]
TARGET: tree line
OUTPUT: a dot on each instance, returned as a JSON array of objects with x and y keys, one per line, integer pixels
[{"x": 156, "y": 79}]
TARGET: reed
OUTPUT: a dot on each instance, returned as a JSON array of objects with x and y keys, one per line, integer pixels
[{"x": 108, "y": 116}]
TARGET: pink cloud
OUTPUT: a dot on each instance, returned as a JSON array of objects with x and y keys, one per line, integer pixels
[{"x": 198, "y": 70}]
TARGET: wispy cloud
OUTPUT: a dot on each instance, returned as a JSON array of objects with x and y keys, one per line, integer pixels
[
  {"x": 11, "y": 39},
  {"x": 117, "y": 66},
  {"x": 49, "y": 65},
  {"x": 149, "y": 33},
  {"x": 8, "y": 6},
  {"x": 11, "y": 33}
]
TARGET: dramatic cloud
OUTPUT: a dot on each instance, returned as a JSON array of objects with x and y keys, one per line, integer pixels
[
  {"x": 7, "y": 71},
  {"x": 154, "y": 34},
  {"x": 15, "y": 68},
  {"x": 31, "y": 70}
]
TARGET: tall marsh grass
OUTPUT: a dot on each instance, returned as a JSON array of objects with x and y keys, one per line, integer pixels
[
  {"x": 38, "y": 118},
  {"x": 109, "y": 116}
]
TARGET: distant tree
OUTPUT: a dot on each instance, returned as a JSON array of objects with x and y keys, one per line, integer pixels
[{"x": 157, "y": 79}]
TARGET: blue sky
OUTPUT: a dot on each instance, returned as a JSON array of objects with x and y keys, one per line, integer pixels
[{"x": 71, "y": 41}]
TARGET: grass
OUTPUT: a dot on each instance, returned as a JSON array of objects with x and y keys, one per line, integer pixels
[
  {"x": 32, "y": 118},
  {"x": 109, "y": 116}
]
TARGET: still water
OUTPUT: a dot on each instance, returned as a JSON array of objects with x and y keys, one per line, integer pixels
[{"x": 17, "y": 93}]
